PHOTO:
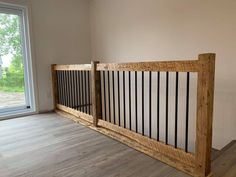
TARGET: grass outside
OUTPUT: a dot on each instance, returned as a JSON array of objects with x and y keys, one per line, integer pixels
[{"x": 12, "y": 89}]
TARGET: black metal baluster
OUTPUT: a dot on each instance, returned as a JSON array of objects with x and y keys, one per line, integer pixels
[
  {"x": 114, "y": 101},
  {"x": 72, "y": 90},
  {"x": 167, "y": 105},
  {"x": 101, "y": 82},
  {"x": 109, "y": 95},
  {"x": 86, "y": 94},
  {"x": 76, "y": 89},
  {"x": 130, "y": 123},
  {"x": 104, "y": 91},
  {"x": 64, "y": 87},
  {"x": 84, "y": 84},
  {"x": 142, "y": 103},
  {"x": 176, "y": 109},
  {"x": 67, "y": 89},
  {"x": 158, "y": 106},
  {"x": 118, "y": 86},
  {"x": 89, "y": 101},
  {"x": 136, "y": 103},
  {"x": 150, "y": 104},
  {"x": 187, "y": 113},
  {"x": 61, "y": 88},
  {"x": 124, "y": 98},
  {"x": 80, "y": 91}
]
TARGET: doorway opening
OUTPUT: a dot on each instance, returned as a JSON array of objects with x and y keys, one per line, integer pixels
[{"x": 16, "y": 81}]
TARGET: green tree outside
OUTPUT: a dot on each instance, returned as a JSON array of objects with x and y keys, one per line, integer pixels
[{"x": 10, "y": 43}]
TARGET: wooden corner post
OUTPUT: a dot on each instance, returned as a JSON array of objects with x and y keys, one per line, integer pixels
[
  {"x": 54, "y": 86},
  {"x": 205, "y": 99},
  {"x": 96, "y": 93}
]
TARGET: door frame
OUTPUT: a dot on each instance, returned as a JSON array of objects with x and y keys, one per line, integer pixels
[{"x": 30, "y": 88}]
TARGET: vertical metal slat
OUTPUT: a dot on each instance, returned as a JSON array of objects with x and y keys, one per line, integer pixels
[{"x": 187, "y": 113}]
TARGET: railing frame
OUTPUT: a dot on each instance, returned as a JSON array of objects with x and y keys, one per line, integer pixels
[{"x": 197, "y": 164}]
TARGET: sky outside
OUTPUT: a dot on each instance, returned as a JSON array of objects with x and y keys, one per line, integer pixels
[{"x": 6, "y": 60}]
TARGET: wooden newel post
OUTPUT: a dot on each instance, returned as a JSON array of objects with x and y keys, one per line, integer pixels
[
  {"x": 54, "y": 86},
  {"x": 96, "y": 93},
  {"x": 205, "y": 99}
]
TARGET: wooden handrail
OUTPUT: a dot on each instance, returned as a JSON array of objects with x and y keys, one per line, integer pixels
[
  {"x": 197, "y": 164},
  {"x": 81, "y": 67},
  {"x": 181, "y": 66}
]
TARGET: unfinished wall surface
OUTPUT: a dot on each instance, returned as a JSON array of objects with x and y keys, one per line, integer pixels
[{"x": 138, "y": 30}]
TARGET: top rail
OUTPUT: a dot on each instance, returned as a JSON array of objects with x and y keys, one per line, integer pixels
[
  {"x": 181, "y": 66},
  {"x": 81, "y": 67}
]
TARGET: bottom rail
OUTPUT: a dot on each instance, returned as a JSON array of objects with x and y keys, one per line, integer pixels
[{"x": 174, "y": 157}]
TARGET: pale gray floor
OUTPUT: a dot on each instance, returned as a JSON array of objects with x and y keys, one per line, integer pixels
[
  {"x": 225, "y": 164},
  {"x": 51, "y": 146}
]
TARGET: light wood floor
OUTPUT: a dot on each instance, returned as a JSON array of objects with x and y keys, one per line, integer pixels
[{"x": 49, "y": 145}]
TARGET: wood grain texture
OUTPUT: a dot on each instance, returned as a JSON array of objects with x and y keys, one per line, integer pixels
[
  {"x": 118, "y": 134},
  {"x": 181, "y": 66},
  {"x": 96, "y": 93},
  {"x": 198, "y": 164},
  {"x": 229, "y": 158},
  {"x": 49, "y": 145},
  {"x": 54, "y": 85},
  {"x": 74, "y": 112},
  {"x": 159, "y": 147},
  {"x": 175, "y": 157},
  {"x": 137, "y": 144},
  {"x": 205, "y": 98},
  {"x": 81, "y": 67}
]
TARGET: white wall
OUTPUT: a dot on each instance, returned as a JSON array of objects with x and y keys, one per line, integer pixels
[
  {"x": 59, "y": 35},
  {"x": 137, "y": 30}
]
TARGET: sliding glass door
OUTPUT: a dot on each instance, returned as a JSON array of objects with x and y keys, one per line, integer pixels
[{"x": 16, "y": 83}]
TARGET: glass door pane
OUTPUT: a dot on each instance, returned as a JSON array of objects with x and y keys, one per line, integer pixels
[
  {"x": 15, "y": 83},
  {"x": 12, "y": 85}
]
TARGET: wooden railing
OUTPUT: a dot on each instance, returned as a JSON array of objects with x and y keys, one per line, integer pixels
[{"x": 111, "y": 99}]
